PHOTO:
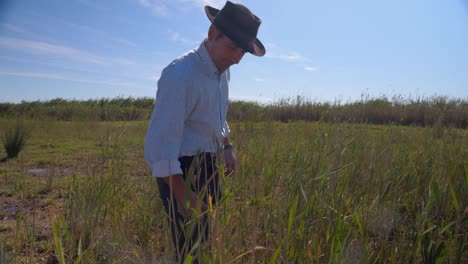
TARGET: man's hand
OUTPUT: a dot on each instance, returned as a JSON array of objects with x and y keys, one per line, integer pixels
[
  {"x": 177, "y": 185},
  {"x": 230, "y": 159},
  {"x": 194, "y": 206}
]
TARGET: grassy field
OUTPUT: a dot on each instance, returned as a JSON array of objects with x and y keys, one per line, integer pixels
[{"x": 304, "y": 192}]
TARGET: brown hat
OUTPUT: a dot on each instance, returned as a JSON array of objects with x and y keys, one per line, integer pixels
[{"x": 239, "y": 24}]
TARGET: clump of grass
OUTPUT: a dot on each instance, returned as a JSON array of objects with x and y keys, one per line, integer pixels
[{"x": 14, "y": 140}]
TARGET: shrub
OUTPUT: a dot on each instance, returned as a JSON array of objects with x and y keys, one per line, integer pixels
[{"x": 14, "y": 140}]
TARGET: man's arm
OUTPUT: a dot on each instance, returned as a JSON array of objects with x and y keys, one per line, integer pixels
[
  {"x": 163, "y": 139},
  {"x": 177, "y": 185}
]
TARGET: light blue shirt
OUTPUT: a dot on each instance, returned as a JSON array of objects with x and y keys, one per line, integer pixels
[{"x": 190, "y": 112}]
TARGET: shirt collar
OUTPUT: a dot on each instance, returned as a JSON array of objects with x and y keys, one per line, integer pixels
[{"x": 205, "y": 56}]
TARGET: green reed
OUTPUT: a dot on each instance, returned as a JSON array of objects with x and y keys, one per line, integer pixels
[{"x": 302, "y": 193}]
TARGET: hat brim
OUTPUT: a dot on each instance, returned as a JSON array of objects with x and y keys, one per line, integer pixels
[{"x": 256, "y": 48}]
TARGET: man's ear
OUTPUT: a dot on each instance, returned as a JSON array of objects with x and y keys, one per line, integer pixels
[{"x": 212, "y": 33}]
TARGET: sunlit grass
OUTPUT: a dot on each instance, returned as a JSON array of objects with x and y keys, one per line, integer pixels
[{"x": 303, "y": 193}]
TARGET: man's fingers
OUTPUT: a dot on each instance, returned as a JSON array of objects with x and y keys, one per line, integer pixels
[{"x": 229, "y": 168}]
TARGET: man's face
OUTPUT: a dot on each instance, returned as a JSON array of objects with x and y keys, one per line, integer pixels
[{"x": 225, "y": 52}]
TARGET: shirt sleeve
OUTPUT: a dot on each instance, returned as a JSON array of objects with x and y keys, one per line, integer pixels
[{"x": 164, "y": 136}]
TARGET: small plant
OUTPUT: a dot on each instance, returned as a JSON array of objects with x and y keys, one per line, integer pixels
[{"x": 14, "y": 140}]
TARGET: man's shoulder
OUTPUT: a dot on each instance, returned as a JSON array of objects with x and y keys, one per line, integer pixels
[{"x": 184, "y": 64}]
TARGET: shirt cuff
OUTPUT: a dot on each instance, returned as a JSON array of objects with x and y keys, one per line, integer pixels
[
  {"x": 226, "y": 130},
  {"x": 166, "y": 168}
]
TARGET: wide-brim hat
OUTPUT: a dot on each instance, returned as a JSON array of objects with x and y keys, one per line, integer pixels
[{"x": 239, "y": 24}]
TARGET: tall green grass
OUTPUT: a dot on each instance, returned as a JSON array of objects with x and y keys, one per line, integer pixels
[
  {"x": 304, "y": 192},
  {"x": 317, "y": 191},
  {"x": 109, "y": 215}
]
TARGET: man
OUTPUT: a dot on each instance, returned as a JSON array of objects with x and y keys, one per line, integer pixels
[{"x": 188, "y": 125}]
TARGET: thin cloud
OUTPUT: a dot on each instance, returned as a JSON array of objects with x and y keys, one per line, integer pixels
[
  {"x": 50, "y": 49},
  {"x": 158, "y": 8},
  {"x": 133, "y": 71},
  {"x": 95, "y": 5},
  {"x": 38, "y": 47},
  {"x": 42, "y": 75},
  {"x": 213, "y": 3},
  {"x": 154, "y": 77},
  {"x": 162, "y": 8},
  {"x": 309, "y": 68},
  {"x": 175, "y": 36},
  {"x": 124, "y": 41},
  {"x": 123, "y": 61},
  {"x": 58, "y": 65},
  {"x": 11, "y": 27},
  {"x": 87, "y": 30},
  {"x": 275, "y": 52},
  {"x": 289, "y": 56},
  {"x": 259, "y": 79},
  {"x": 100, "y": 34}
]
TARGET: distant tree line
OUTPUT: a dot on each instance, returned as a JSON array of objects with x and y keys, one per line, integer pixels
[
  {"x": 437, "y": 110},
  {"x": 116, "y": 109}
]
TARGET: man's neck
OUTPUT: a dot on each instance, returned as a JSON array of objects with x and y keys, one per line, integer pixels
[{"x": 209, "y": 48}]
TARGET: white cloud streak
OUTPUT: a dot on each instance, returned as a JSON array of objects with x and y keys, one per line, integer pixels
[
  {"x": 275, "y": 52},
  {"x": 12, "y": 27},
  {"x": 44, "y": 48},
  {"x": 88, "y": 32},
  {"x": 154, "y": 77},
  {"x": 50, "y": 49},
  {"x": 213, "y": 3},
  {"x": 99, "y": 34},
  {"x": 158, "y": 8},
  {"x": 124, "y": 41},
  {"x": 311, "y": 68},
  {"x": 175, "y": 36},
  {"x": 287, "y": 56},
  {"x": 95, "y": 5},
  {"x": 42, "y": 75},
  {"x": 162, "y": 8}
]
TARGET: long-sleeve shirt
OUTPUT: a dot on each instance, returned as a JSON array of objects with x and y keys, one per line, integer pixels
[{"x": 189, "y": 114}]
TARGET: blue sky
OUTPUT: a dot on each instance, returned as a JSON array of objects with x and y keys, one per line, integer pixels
[{"x": 321, "y": 50}]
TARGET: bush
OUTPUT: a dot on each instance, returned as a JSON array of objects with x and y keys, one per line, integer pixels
[{"x": 14, "y": 140}]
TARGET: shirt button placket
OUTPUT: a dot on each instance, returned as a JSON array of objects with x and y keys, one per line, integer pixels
[{"x": 220, "y": 88}]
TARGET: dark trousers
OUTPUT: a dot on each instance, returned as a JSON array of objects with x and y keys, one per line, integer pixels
[{"x": 202, "y": 174}]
